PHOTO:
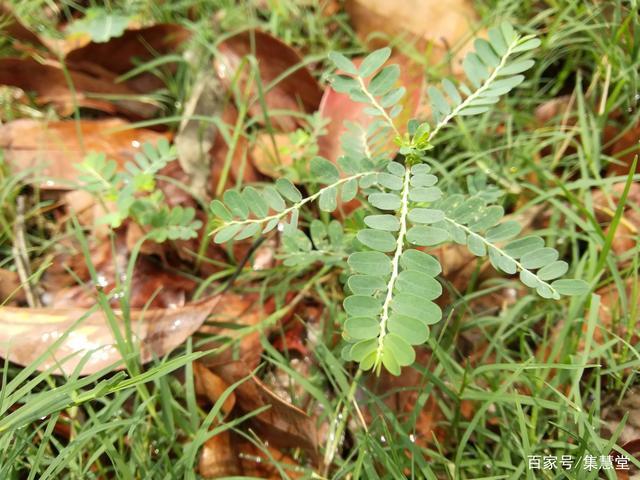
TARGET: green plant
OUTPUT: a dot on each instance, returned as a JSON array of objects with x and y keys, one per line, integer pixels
[
  {"x": 393, "y": 286},
  {"x": 133, "y": 193}
]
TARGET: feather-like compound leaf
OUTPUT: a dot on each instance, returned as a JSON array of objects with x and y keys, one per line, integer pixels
[
  {"x": 363, "y": 348},
  {"x": 288, "y": 190},
  {"x": 377, "y": 240},
  {"x": 418, "y": 283},
  {"x": 396, "y": 169},
  {"x": 539, "y": 258},
  {"x": 236, "y": 204},
  {"x": 486, "y": 53},
  {"x": 323, "y": 171},
  {"x": 504, "y": 231},
  {"x": 343, "y": 63},
  {"x": 349, "y": 190},
  {"x": 390, "y": 362},
  {"x": 553, "y": 270},
  {"x": 476, "y": 246},
  {"x": 412, "y": 330},
  {"x": 220, "y": 211},
  {"x": 401, "y": 350},
  {"x": 372, "y": 263},
  {"x": 524, "y": 245},
  {"x": 362, "y": 328},
  {"x": 385, "y": 201},
  {"x": 362, "y": 306},
  {"x": 227, "y": 233},
  {"x": 527, "y": 45},
  {"x": 392, "y": 182},
  {"x": 571, "y": 286},
  {"x": 416, "y": 307},
  {"x": 385, "y": 222},
  {"x": 517, "y": 67},
  {"x": 423, "y": 180},
  {"x": 425, "y": 194},
  {"x": 255, "y": 202},
  {"x": 427, "y": 236},
  {"x": 438, "y": 102},
  {"x": 425, "y": 215},
  {"x": 328, "y": 201},
  {"x": 416, "y": 260},
  {"x": 366, "y": 284},
  {"x": 529, "y": 279},
  {"x": 248, "y": 231},
  {"x": 489, "y": 218},
  {"x": 384, "y": 80},
  {"x": 374, "y": 61},
  {"x": 274, "y": 199},
  {"x": 420, "y": 168}
]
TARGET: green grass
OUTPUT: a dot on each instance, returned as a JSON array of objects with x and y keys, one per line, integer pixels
[{"x": 509, "y": 378}]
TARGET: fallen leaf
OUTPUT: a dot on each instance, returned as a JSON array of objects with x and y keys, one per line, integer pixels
[
  {"x": 211, "y": 386},
  {"x": 27, "y": 333},
  {"x": 219, "y": 458},
  {"x": 440, "y": 25},
  {"x": 288, "y": 85},
  {"x": 152, "y": 286},
  {"x": 49, "y": 83},
  {"x": 256, "y": 463},
  {"x": 136, "y": 46},
  {"x": 269, "y": 161},
  {"x": 10, "y": 290},
  {"x": 624, "y": 150},
  {"x": 54, "y": 147},
  {"x": 283, "y": 424},
  {"x": 195, "y": 137},
  {"x": 338, "y": 107},
  {"x": 605, "y": 204}
]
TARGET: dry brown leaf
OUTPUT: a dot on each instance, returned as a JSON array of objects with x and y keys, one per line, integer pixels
[
  {"x": 211, "y": 386},
  {"x": 195, "y": 138},
  {"x": 270, "y": 161},
  {"x": 49, "y": 83},
  {"x": 27, "y": 333},
  {"x": 219, "y": 458},
  {"x": 606, "y": 203},
  {"x": 10, "y": 290},
  {"x": 256, "y": 463},
  {"x": 442, "y": 25},
  {"x": 152, "y": 286},
  {"x": 54, "y": 147},
  {"x": 120, "y": 54},
  {"x": 298, "y": 91},
  {"x": 625, "y": 150},
  {"x": 283, "y": 424}
]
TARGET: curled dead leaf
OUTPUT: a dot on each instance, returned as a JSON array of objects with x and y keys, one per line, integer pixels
[
  {"x": 134, "y": 47},
  {"x": 211, "y": 386},
  {"x": 218, "y": 457},
  {"x": 10, "y": 290},
  {"x": 288, "y": 85},
  {"x": 48, "y": 81}
]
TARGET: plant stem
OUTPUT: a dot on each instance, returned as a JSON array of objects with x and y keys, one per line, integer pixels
[{"x": 404, "y": 208}]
